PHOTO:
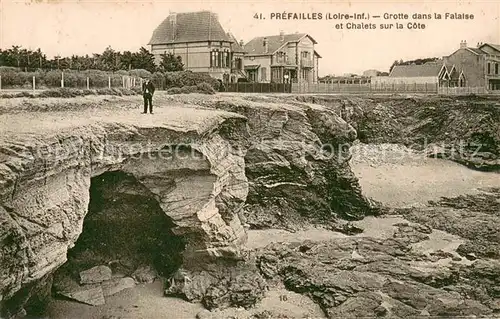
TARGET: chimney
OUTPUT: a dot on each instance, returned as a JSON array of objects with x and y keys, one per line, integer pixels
[
  {"x": 266, "y": 45},
  {"x": 173, "y": 23},
  {"x": 282, "y": 36},
  {"x": 463, "y": 44},
  {"x": 241, "y": 43}
]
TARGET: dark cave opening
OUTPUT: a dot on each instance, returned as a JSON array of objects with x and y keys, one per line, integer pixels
[{"x": 124, "y": 230}]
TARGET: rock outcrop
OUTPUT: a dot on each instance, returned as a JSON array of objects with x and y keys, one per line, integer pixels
[
  {"x": 383, "y": 278},
  {"x": 461, "y": 129},
  {"x": 185, "y": 162},
  {"x": 297, "y": 162},
  {"x": 267, "y": 163}
]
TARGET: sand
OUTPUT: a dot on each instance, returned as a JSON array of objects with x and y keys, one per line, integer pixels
[{"x": 398, "y": 177}]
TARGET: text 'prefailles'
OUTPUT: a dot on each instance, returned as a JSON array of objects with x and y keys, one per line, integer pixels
[{"x": 364, "y": 20}]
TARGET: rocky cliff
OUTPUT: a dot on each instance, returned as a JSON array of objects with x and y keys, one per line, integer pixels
[
  {"x": 185, "y": 163},
  {"x": 464, "y": 129},
  {"x": 297, "y": 162},
  {"x": 274, "y": 164}
]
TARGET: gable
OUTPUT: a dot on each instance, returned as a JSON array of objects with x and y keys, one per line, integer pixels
[
  {"x": 275, "y": 42},
  {"x": 306, "y": 41},
  {"x": 189, "y": 27},
  {"x": 490, "y": 49},
  {"x": 462, "y": 54}
]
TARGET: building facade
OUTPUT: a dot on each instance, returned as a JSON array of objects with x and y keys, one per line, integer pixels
[
  {"x": 480, "y": 65},
  {"x": 436, "y": 73},
  {"x": 201, "y": 42},
  {"x": 283, "y": 58}
]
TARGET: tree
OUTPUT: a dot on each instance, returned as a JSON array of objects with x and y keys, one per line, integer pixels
[
  {"x": 127, "y": 60},
  {"x": 393, "y": 65},
  {"x": 409, "y": 62},
  {"x": 171, "y": 63},
  {"x": 144, "y": 60},
  {"x": 110, "y": 59}
]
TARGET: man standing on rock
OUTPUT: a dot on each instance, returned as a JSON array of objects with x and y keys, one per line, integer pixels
[{"x": 148, "y": 89}]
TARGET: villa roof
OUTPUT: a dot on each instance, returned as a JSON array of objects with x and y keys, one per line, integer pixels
[
  {"x": 275, "y": 42},
  {"x": 421, "y": 70},
  {"x": 189, "y": 27}
]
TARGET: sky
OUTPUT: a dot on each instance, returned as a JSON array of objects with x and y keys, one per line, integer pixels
[{"x": 64, "y": 27}]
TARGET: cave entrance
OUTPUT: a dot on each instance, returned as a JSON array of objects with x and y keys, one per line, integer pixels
[{"x": 124, "y": 231}]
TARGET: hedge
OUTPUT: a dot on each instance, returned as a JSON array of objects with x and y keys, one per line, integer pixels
[
  {"x": 15, "y": 78},
  {"x": 70, "y": 92}
]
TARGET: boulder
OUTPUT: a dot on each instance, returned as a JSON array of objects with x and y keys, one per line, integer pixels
[
  {"x": 95, "y": 275},
  {"x": 145, "y": 274},
  {"x": 116, "y": 285},
  {"x": 88, "y": 294}
]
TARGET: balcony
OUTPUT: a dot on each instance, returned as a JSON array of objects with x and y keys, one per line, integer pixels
[
  {"x": 307, "y": 63},
  {"x": 283, "y": 62}
]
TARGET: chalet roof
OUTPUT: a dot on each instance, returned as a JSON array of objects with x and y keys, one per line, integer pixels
[
  {"x": 189, "y": 27},
  {"x": 422, "y": 70},
  {"x": 476, "y": 50},
  {"x": 256, "y": 47},
  {"x": 494, "y": 46}
]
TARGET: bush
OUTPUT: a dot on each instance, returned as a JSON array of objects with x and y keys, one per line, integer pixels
[
  {"x": 89, "y": 92},
  {"x": 51, "y": 78},
  {"x": 12, "y": 77},
  {"x": 140, "y": 73},
  {"x": 188, "y": 78},
  {"x": 15, "y": 78},
  {"x": 70, "y": 92},
  {"x": 205, "y": 88},
  {"x": 24, "y": 94},
  {"x": 125, "y": 91},
  {"x": 50, "y": 93},
  {"x": 61, "y": 92},
  {"x": 106, "y": 91},
  {"x": 174, "y": 90}
]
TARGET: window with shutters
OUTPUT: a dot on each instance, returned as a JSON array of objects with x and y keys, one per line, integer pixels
[{"x": 263, "y": 74}]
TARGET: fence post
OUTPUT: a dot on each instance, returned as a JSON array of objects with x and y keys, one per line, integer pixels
[
  {"x": 109, "y": 82},
  {"x": 88, "y": 83},
  {"x": 34, "y": 84},
  {"x": 62, "y": 79}
]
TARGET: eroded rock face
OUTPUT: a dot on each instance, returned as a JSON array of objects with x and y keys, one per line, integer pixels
[
  {"x": 461, "y": 129},
  {"x": 220, "y": 286},
  {"x": 295, "y": 156},
  {"x": 383, "y": 278},
  {"x": 297, "y": 162},
  {"x": 45, "y": 181}
]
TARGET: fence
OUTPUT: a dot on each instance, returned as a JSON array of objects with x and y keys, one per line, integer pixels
[
  {"x": 68, "y": 80},
  {"x": 365, "y": 88},
  {"x": 464, "y": 90},
  {"x": 255, "y": 87}
]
